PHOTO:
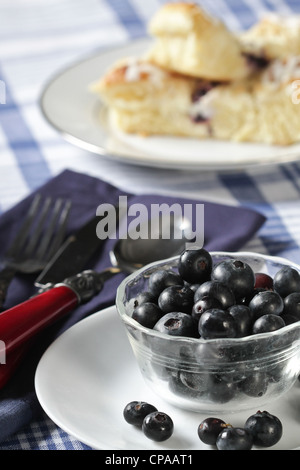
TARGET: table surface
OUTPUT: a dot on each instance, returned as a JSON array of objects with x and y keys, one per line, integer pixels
[{"x": 40, "y": 38}]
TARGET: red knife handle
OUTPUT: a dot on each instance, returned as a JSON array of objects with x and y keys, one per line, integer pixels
[{"x": 20, "y": 323}]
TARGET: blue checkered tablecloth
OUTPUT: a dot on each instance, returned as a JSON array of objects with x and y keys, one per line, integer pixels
[{"x": 39, "y": 38}]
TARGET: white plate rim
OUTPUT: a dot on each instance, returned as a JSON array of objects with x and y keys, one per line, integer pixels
[
  {"x": 54, "y": 406},
  {"x": 133, "y": 152}
]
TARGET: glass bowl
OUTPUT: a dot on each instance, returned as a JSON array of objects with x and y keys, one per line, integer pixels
[{"x": 215, "y": 375}]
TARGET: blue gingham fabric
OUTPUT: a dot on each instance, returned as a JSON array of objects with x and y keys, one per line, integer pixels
[{"x": 37, "y": 39}]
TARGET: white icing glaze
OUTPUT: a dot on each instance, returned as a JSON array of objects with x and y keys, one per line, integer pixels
[{"x": 135, "y": 69}]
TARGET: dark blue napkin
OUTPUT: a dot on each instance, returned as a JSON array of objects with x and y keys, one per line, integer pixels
[{"x": 226, "y": 228}]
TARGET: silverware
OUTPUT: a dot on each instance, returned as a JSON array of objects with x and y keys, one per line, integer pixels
[
  {"x": 37, "y": 240},
  {"x": 20, "y": 323}
]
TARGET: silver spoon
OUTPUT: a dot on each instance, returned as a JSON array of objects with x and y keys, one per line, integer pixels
[{"x": 131, "y": 254}]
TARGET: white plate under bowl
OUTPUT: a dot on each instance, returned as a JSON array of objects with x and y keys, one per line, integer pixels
[
  {"x": 88, "y": 375},
  {"x": 75, "y": 112}
]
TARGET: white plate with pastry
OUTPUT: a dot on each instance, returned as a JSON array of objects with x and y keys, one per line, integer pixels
[{"x": 125, "y": 104}]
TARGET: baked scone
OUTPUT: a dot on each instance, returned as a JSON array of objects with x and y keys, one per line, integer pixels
[
  {"x": 187, "y": 40},
  {"x": 145, "y": 99},
  {"x": 273, "y": 37}
]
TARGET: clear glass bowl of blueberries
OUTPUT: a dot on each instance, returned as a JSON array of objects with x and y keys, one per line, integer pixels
[{"x": 215, "y": 332}]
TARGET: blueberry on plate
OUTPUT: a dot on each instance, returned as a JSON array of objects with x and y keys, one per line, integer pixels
[
  {"x": 195, "y": 265},
  {"x": 177, "y": 324},
  {"x": 147, "y": 314},
  {"x": 209, "y": 429},
  {"x": 176, "y": 298},
  {"x": 266, "y": 302},
  {"x": 161, "y": 279},
  {"x": 232, "y": 438},
  {"x": 135, "y": 412},
  {"x": 217, "y": 323},
  {"x": 158, "y": 426},
  {"x": 268, "y": 323},
  {"x": 265, "y": 428},
  {"x": 286, "y": 281},
  {"x": 218, "y": 290},
  {"x": 238, "y": 275}
]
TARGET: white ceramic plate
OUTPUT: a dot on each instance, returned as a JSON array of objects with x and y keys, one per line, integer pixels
[
  {"x": 75, "y": 112},
  {"x": 88, "y": 375}
]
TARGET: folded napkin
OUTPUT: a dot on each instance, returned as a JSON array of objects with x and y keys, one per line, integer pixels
[{"x": 227, "y": 228}]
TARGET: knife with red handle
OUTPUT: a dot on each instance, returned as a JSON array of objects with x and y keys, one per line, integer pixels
[{"x": 19, "y": 324}]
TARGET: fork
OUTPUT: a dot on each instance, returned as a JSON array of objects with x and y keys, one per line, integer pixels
[{"x": 39, "y": 237}]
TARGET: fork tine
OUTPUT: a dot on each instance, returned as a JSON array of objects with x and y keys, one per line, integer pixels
[
  {"x": 62, "y": 224},
  {"x": 38, "y": 228},
  {"x": 51, "y": 229},
  {"x": 20, "y": 239}
]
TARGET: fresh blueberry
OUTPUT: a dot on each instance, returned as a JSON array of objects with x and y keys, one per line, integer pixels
[
  {"x": 292, "y": 305},
  {"x": 234, "y": 439},
  {"x": 218, "y": 290},
  {"x": 177, "y": 324},
  {"x": 255, "y": 385},
  {"x": 209, "y": 429},
  {"x": 147, "y": 314},
  {"x": 243, "y": 319},
  {"x": 217, "y": 323},
  {"x": 268, "y": 323},
  {"x": 238, "y": 275},
  {"x": 204, "y": 304},
  {"x": 143, "y": 297},
  {"x": 265, "y": 428},
  {"x": 263, "y": 281},
  {"x": 286, "y": 281},
  {"x": 135, "y": 412},
  {"x": 176, "y": 298},
  {"x": 221, "y": 391},
  {"x": 161, "y": 279},
  {"x": 189, "y": 384},
  {"x": 158, "y": 426},
  {"x": 266, "y": 302},
  {"x": 195, "y": 265}
]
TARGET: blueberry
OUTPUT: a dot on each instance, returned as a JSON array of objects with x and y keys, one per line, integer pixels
[
  {"x": 158, "y": 426},
  {"x": 135, "y": 412},
  {"x": 238, "y": 275},
  {"x": 177, "y": 324},
  {"x": 268, "y": 323},
  {"x": 209, "y": 429},
  {"x": 263, "y": 281},
  {"x": 161, "y": 279},
  {"x": 286, "y": 281},
  {"x": 243, "y": 319},
  {"x": 189, "y": 384},
  {"x": 176, "y": 298},
  {"x": 217, "y": 323},
  {"x": 255, "y": 385},
  {"x": 144, "y": 297},
  {"x": 204, "y": 304},
  {"x": 147, "y": 314},
  {"x": 195, "y": 265},
  {"x": 221, "y": 391},
  {"x": 266, "y": 302},
  {"x": 292, "y": 305},
  {"x": 218, "y": 290},
  {"x": 265, "y": 428},
  {"x": 234, "y": 439}
]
